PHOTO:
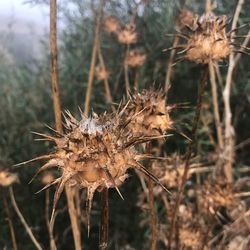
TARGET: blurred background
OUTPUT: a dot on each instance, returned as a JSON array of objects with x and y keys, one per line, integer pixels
[{"x": 25, "y": 101}]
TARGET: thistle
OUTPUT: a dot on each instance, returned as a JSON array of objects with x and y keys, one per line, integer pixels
[
  {"x": 208, "y": 40},
  {"x": 94, "y": 153},
  {"x": 135, "y": 58},
  {"x": 149, "y": 115},
  {"x": 127, "y": 35},
  {"x": 7, "y": 178},
  {"x": 101, "y": 73},
  {"x": 111, "y": 24}
]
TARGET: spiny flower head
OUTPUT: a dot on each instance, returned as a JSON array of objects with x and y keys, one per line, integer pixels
[
  {"x": 7, "y": 178},
  {"x": 135, "y": 58},
  {"x": 208, "y": 40},
  {"x": 101, "y": 73},
  {"x": 94, "y": 153},
  {"x": 128, "y": 35},
  {"x": 148, "y": 113},
  {"x": 111, "y": 24}
]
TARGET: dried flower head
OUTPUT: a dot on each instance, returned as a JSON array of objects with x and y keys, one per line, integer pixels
[
  {"x": 128, "y": 34},
  {"x": 94, "y": 153},
  {"x": 7, "y": 178},
  {"x": 190, "y": 238},
  {"x": 185, "y": 18},
  {"x": 215, "y": 195},
  {"x": 111, "y": 24},
  {"x": 47, "y": 178},
  {"x": 101, "y": 73},
  {"x": 148, "y": 113},
  {"x": 135, "y": 58},
  {"x": 208, "y": 41}
]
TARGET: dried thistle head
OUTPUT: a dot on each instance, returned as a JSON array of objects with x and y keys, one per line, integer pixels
[
  {"x": 148, "y": 113},
  {"x": 47, "y": 178},
  {"x": 208, "y": 40},
  {"x": 101, "y": 73},
  {"x": 7, "y": 178},
  {"x": 185, "y": 18},
  {"x": 128, "y": 34},
  {"x": 217, "y": 194},
  {"x": 190, "y": 238},
  {"x": 111, "y": 24},
  {"x": 94, "y": 153},
  {"x": 135, "y": 58}
]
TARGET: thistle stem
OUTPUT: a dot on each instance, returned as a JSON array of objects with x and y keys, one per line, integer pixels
[
  {"x": 201, "y": 90},
  {"x": 103, "y": 242}
]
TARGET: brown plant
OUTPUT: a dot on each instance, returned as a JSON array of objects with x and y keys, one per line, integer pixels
[
  {"x": 135, "y": 58},
  {"x": 128, "y": 35}
]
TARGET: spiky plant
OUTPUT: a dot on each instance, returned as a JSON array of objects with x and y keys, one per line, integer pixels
[
  {"x": 149, "y": 115},
  {"x": 7, "y": 178},
  {"x": 111, "y": 24},
  {"x": 128, "y": 35},
  {"x": 94, "y": 153},
  {"x": 208, "y": 40},
  {"x": 135, "y": 58}
]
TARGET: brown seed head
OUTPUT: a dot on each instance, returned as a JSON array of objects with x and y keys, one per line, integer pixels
[
  {"x": 209, "y": 41},
  {"x": 101, "y": 73},
  {"x": 111, "y": 24},
  {"x": 47, "y": 178},
  {"x": 148, "y": 113},
  {"x": 135, "y": 58},
  {"x": 128, "y": 34},
  {"x": 7, "y": 178},
  {"x": 185, "y": 18}
]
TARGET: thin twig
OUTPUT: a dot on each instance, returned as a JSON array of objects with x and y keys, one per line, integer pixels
[
  {"x": 229, "y": 130},
  {"x": 11, "y": 226},
  {"x": 51, "y": 237},
  {"x": 23, "y": 221},
  {"x": 201, "y": 90},
  {"x": 169, "y": 64},
  {"x": 93, "y": 59},
  {"x": 103, "y": 242},
  {"x": 216, "y": 106},
  {"x": 126, "y": 75}
]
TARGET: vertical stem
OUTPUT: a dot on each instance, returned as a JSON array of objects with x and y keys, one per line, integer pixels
[
  {"x": 51, "y": 237},
  {"x": 201, "y": 90},
  {"x": 103, "y": 242},
  {"x": 23, "y": 221},
  {"x": 11, "y": 226},
  {"x": 93, "y": 59},
  {"x": 153, "y": 216},
  {"x": 127, "y": 84},
  {"x": 169, "y": 64},
  {"x": 216, "y": 106},
  {"x": 58, "y": 119},
  {"x": 54, "y": 66},
  {"x": 106, "y": 82},
  {"x": 229, "y": 130}
]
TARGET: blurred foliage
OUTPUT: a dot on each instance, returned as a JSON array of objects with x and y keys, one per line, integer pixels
[{"x": 25, "y": 100}]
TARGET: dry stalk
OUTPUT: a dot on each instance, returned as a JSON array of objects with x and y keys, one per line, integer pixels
[
  {"x": 229, "y": 130},
  {"x": 201, "y": 90},
  {"x": 126, "y": 75},
  {"x": 103, "y": 242},
  {"x": 57, "y": 114},
  {"x": 169, "y": 70},
  {"x": 23, "y": 221},
  {"x": 217, "y": 119},
  {"x": 51, "y": 237},
  {"x": 93, "y": 58},
  {"x": 11, "y": 226},
  {"x": 105, "y": 80}
]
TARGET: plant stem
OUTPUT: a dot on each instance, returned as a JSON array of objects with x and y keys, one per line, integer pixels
[
  {"x": 93, "y": 59},
  {"x": 153, "y": 216},
  {"x": 58, "y": 119},
  {"x": 23, "y": 221},
  {"x": 201, "y": 90},
  {"x": 169, "y": 65},
  {"x": 126, "y": 75},
  {"x": 103, "y": 242},
  {"x": 11, "y": 226}
]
